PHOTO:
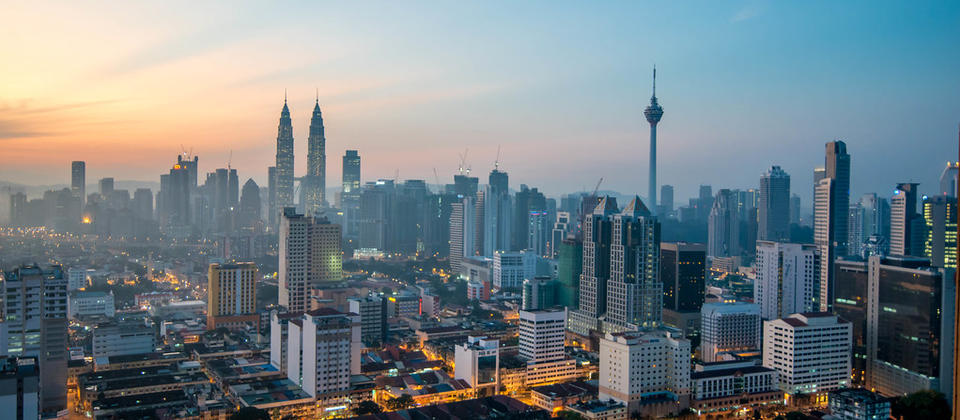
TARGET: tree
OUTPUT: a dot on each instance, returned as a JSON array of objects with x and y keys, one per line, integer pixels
[
  {"x": 569, "y": 415},
  {"x": 921, "y": 405},
  {"x": 250, "y": 413},
  {"x": 402, "y": 402},
  {"x": 367, "y": 407},
  {"x": 796, "y": 415}
]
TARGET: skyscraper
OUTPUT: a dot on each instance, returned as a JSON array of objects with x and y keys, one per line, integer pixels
[
  {"x": 272, "y": 197},
  {"x": 831, "y": 210},
  {"x": 461, "y": 232},
  {"x": 634, "y": 291},
  {"x": 350, "y": 195},
  {"x": 232, "y": 295},
  {"x": 250, "y": 204},
  {"x": 666, "y": 200},
  {"x": 106, "y": 188},
  {"x": 948, "y": 179},
  {"x": 143, "y": 203},
  {"x": 310, "y": 257},
  {"x": 940, "y": 245},
  {"x": 78, "y": 180},
  {"x": 787, "y": 279},
  {"x": 596, "y": 266},
  {"x": 683, "y": 272},
  {"x": 497, "y": 214},
  {"x": 906, "y": 229},
  {"x": 723, "y": 233},
  {"x": 315, "y": 182},
  {"x": 569, "y": 268},
  {"x": 527, "y": 200},
  {"x": 774, "y": 217},
  {"x": 284, "y": 159},
  {"x": 653, "y": 113}
]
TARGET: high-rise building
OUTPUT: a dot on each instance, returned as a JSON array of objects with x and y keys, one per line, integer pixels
[
  {"x": 284, "y": 159},
  {"x": 787, "y": 279},
  {"x": 78, "y": 180},
  {"x": 106, "y": 188},
  {"x": 855, "y": 226},
  {"x": 539, "y": 293},
  {"x": 876, "y": 216},
  {"x": 541, "y": 335},
  {"x": 645, "y": 366},
  {"x": 350, "y": 194},
  {"x": 704, "y": 202},
  {"x": 527, "y": 200},
  {"x": 683, "y": 272},
  {"x": 314, "y": 184},
  {"x": 597, "y": 228},
  {"x": 654, "y": 113},
  {"x": 478, "y": 363},
  {"x": 724, "y": 226},
  {"x": 569, "y": 269},
  {"x": 373, "y": 317},
  {"x": 310, "y": 257},
  {"x": 940, "y": 215},
  {"x": 850, "y": 304},
  {"x": 20, "y": 387},
  {"x": 497, "y": 211},
  {"x": 539, "y": 231},
  {"x": 173, "y": 202},
  {"x": 906, "y": 226},
  {"x": 810, "y": 352},
  {"x": 729, "y": 327},
  {"x": 250, "y": 205},
  {"x": 634, "y": 291},
  {"x": 232, "y": 295},
  {"x": 795, "y": 216},
  {"x": 377, "y": 202},
  {"x": 774, "y": 215},
  {"x": 831, "y": 213},
  {"x": 143, "y": 203},
  {"x": 511, "y": 268},
  {"x": 323, "y": 351},
  {"x": 462, "y": 232},
  {"x": 948, "y": 179},
  {"x": 561, "y": 228},
  {"x": 465, "y": 185},
  {"x": 272, "y": 211},
  {"x": 666, "y": 201},
  {"x": 910, "y": 330},
  {"x": 34, "y": 324}
]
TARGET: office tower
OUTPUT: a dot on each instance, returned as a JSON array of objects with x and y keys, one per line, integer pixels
[
  {"x": 541, "y": 335},
  {"x": 948, "y": 179},
  {"x": 940, "y": 244},
  {"x": 497, "y": 211},
  {"x": 376, "y": 205},
  {"x": 539, "y": 230},
  {"x": 272, "y": 210},
  {"x": 855, "y": 234},
  {"x": 323, "y": 351},
  {"x": 831, "y": 213},
  {"x": 511, "y": 268},
  {"x": 373, "y": 318},
  {"x": 478, "y": 363},
  {"x": 350, "y": 195},
  {"x": 569, "y": 268},
  {"x": 233, "y": 189},
  {"x": 787, "y": 279},
  {"x": 106, "y": 188},
  {"x": 250, "y": 204},
  {"x": 850, "y": 304},
  {"x": 795, "y": 215},
  {"x": 876, "y": 215},
  {"x": 704, "y": 202},
  {"x": 143, "y": 203},
  {"x": 729, "y": 327},
  {"x": 560, "y": 230},
  {"x": 774, "y": 217},
  {"x": 315, "y": 182},
  {"x": 465, "y": 185},
  {"x": 174, "y": 201},
  {"x": 653, "y": 113},
  {"x": 910, "y": 328},
  {"x": 810, "y": 352},
  {"x": 666, "y": 200},
  {"x": 284, "y": 159},
  {"x": 232, "y": 295},
  {"x": 462, "y": 232},
  {"x": 525, "y": 201},
  {"x": 407, "y": 216},
  {"x": 643, "y": 367},
  {"x": 724, "y": 226},
  {"x": 683, "y": 272},
  {"x": 597, "y": 229},
  {"x": 35, "y": 325},
  {"x": 20, "y": 387},
  {"x": 539, "y": 293},
  {"x": 634, "y": 291},
  {"x": 906, "y": 227},
  {"x": 78, "y": 180},
  {"x": 310, "y": 256}
]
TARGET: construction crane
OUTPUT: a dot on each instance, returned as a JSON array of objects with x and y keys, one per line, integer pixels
[
  {"x": 597, "y": 188},
  {"x": 496, "y": 163},
  {"x": 230, "y": 160},
  {"x": 463, "y": 161},
  {"x": 437, "y": 177}
]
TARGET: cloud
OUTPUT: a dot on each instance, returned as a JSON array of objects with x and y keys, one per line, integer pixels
[
  {"x": 23, "y": 120},
  {"x": 748, "y": 12}
]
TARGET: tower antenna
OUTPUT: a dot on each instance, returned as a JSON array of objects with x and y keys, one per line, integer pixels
[{"x": 654, "y": 80}]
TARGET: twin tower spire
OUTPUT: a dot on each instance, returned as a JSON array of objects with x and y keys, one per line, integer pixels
[{"x": 313, "y": 189}]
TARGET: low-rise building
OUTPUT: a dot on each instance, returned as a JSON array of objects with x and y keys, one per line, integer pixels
[
  {"x": 19, "y": 388},
  {"x": 478, "y": 362},
  {"x": 555, "y": 398},
  {"x": 730, "y": 386},
  {"x": 858, "y": 404},
  {"x": 600, "y": 410},
  {"x": 89, "y": 304},
  {"x": 281, "y": 398},
  {"x": 121, "y": 339}
]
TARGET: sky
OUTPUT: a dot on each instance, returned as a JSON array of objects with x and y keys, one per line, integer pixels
[{"x": 559, "y": 87}]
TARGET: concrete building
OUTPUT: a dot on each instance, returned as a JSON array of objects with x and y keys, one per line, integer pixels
[
  {"x": 648, "y": 371},
  {"x": 78, "y": 278},
  {"x": 595, "y": 268},
  {"x": 729, "y": 327},
  {"x": 477, "y": 290},
  {"x": 373, "y": 317},
  {"x": 810, "y": 351},
  {"x": 88, "y": 304},
  {"x": 35, "y": 325},
  {"x": 279, "y": 338},
  {"x": 831, "y": 215},
  {"x": 940, "y": 245},
  {"x": 731, "y": 386},
  {"x": 787, "y": 279},
  {"x": 232, "y": 295},
  {"x": 478, "y": 363},
  {"x": 858, "y": 404},
  {"x": 906, "y": 225},
  {"x": 19, "y": 388},
  {"x": 723, "y": 226},
  {"x": 123, "y": 339},
  {"x": 462, "y": 232},
  {"x": 511, "y": 268},
  {"x": 774, "y": 210},
  {"x": 310, "y": 257},
  {"x": 539, "y": 293},
  {"x": 542, "y": 334},
  {"x": 634, "y": 291},
  {"x": 323, "y": 351}
]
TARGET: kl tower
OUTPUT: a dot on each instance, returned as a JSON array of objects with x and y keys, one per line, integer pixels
[{"x": 653, "y": 113}]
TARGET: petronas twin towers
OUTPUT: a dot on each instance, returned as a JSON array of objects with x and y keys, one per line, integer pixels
[{"x": 313, "y": 185}]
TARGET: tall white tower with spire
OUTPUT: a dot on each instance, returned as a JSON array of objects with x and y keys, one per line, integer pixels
[{"x": 653, "y": 113}]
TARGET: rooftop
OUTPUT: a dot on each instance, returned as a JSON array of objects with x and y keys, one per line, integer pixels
[{"x": 268, "y": 392}]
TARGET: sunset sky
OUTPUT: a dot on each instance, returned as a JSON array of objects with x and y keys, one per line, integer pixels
[{"x": 559, "y": 86}]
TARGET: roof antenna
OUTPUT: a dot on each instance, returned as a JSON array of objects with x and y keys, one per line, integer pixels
[{"x": 654, "y": 80}]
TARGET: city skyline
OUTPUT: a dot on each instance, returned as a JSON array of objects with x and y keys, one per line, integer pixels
[{"x": 424, "y": 99}]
